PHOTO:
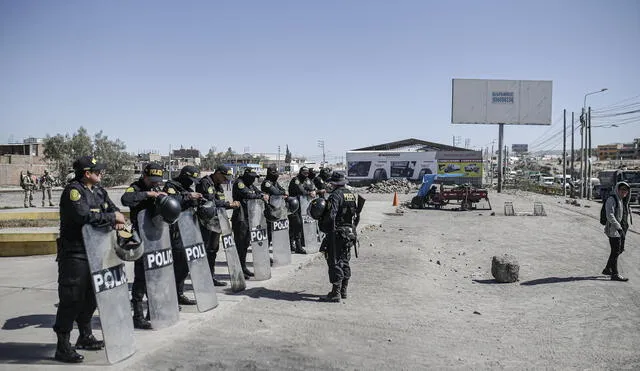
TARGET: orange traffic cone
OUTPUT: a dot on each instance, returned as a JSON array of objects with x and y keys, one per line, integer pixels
[{"x": 395, "y": 199}]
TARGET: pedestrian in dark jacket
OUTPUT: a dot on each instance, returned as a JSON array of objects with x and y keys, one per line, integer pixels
[{"x": 618, "y": 217}]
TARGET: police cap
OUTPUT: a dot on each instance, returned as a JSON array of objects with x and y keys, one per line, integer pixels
[
  {"x": 88, "y": 163},
  {"x": 191, "y": 172},
  {"x": 154, "y": 172}
]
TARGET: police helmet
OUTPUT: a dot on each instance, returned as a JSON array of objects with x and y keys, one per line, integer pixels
[
  {"x": 169, "y": 208},
  {"x": 208, "y": 216},
  {"x": 292, "y": 204},
  {"x": 325, "y": 173},
  {"x": 129, "y": 245},
  {"x": 271, "y": 213},
  {"x": 316, "y": 208}
]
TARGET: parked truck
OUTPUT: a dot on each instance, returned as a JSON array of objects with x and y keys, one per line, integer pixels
[{"x": 609, "y": 178}]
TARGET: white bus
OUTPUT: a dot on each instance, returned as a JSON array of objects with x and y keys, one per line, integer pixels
[{"x": 383, "y": 165}]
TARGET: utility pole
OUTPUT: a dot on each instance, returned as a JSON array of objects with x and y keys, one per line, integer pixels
[
  {"x": 582, "y": 135},
  {"x": 572, "y": 149},
  {"x": 321, "y": 145},
  {"x": 564, "y": 155},
  {"x": 170, "y": 161},
  {"x": 589, "y": 154}
]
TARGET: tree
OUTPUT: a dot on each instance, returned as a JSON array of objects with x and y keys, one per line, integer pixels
[
  {"x": 209, "y": 162},
  {"x": 287, "y": 156},
  {"x": 119, "y": 162},
  {"x": 57, "y": 150},
  {"x": 81, "y": 143},
  {"x": 63, "y": 150}
]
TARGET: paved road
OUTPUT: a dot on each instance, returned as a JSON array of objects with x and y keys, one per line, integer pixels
[{"x": 422, "y": 297}]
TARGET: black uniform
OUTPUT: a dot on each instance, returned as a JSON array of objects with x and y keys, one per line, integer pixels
[
  {"x": 338, "y": 224},
  {"x": 136, "y": 198},
  {"x": 79, "y": 205},
  {"x": 243, "y": 189},
  {"x": 319, "y": 183},
  {"x": 215, "y": 193},
  {"x": 271, "y": 187},
  {"x": 298, "y": 186},
  {"x": 178, "y": 189}
]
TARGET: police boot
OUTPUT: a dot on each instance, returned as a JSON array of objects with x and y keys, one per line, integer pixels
[
  {"x": 292, "y": 244},
  {"x": 334, "y": 295},
  {"x": 64, "y": 352},
  {"x": 50, "y": 204},
  {"x": 42, "y": 203},
  {"x": 184, "y": 300},
  {"x": 343, "y": 289},
  {"x": 86, "y": 340},
  {"x": 299, "y": 249},
  {"x": 139, "y": 321}
]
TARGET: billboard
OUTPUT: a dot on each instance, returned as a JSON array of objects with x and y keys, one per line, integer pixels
[
  {"x": 516, "y": 102},
  {"x": 519, "y": 148},
  {"x": 463, "y": 168},
  {"x": 383, "y": 165}
]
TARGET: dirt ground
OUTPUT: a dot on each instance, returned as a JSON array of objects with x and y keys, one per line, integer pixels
[{"x": 422, "y": 297}]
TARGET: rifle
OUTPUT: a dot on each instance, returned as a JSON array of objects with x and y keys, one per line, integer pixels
[{"x": 361, "y": 201}]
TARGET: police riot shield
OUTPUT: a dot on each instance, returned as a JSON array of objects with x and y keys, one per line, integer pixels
[
  {"x": 259, "y": 240},
  {"x": 309, "y": 227},
  {"x": 280, "y": 232},
  {"x": 158, "y": 270},
  {"x": 201, "y": 278},
  {"x": 112, "y": 292},
  {"x": 228, "y": 244}
]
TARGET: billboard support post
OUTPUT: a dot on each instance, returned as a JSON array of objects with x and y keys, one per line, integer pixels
[{"x": 500, "y": 164}]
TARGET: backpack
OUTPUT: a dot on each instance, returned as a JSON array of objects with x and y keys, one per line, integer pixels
[{"x": 603, "y": 213}]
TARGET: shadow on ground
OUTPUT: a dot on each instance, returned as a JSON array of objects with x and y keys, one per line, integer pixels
[
  {"x": 27, "y": 353},
  {"x": 39, "y": 321},
  {"x": 262, "y": 292},
  {"x": 542, "y": 281}
]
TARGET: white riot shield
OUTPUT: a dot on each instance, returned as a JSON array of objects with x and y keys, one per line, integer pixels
[
  {"x": 201, "y": 278},
  {"x": 309, "y": 227},
  {"x": 112, "y": 292},
  {"x": 158, "y": 270},
  {"x": 228, "y": 244},
  {"x": 280, "y": 232},
  {"x": 259, "y": 240}
]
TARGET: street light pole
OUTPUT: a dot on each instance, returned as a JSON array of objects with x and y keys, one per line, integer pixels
[{"x": 586, "y": 122}]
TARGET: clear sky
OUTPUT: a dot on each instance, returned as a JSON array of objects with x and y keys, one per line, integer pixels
[{"x": 261, "y": 74}]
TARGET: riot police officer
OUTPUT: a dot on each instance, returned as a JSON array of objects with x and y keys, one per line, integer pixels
[
  {"x": 244, "y": 189},
  {"x": 339, "y": 224},
  {"x": 299, "y": 186},
  {"x": 83, "y": 201},
  {"x": 211, "y": 189},
  {"x": 141, "y": 195},
  {"x": 320, "y": 181},
  {"x": 271, "y": 187},
  {"x": 180, "y": 188}
]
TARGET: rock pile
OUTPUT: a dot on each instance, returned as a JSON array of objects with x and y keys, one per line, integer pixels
[{"x": 393, "y": 185}]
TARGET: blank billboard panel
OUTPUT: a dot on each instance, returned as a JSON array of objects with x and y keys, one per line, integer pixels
[{"x": 515, "y": 102}]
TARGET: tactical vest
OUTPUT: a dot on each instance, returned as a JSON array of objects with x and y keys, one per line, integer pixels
[{"x": 347, "y": 212}]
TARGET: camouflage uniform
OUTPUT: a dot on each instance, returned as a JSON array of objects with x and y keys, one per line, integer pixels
[
  {"x": 46, "y": 183},
  {"x": 29, "y": 186}
]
